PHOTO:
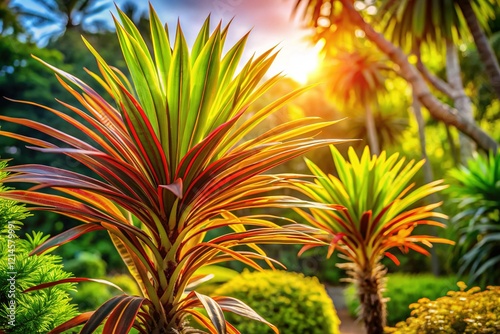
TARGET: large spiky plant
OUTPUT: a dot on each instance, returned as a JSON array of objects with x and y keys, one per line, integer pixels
[
  {"x": 475, "y": 192},
  {"x": 381, "y": 213},
  {"x": 174, "y": 161}
]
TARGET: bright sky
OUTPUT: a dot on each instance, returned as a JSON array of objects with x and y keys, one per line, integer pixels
[{"x": 269, "y": 20}]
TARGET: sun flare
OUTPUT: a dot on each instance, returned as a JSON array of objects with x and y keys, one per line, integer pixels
[{"x": 299, "y": 61}]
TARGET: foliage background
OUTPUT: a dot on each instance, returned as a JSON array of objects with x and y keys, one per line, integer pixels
[{"x": 23, "y": 78}]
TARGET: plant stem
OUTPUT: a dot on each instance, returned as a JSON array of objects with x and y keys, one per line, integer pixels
[{"x": 370, "y": 284}]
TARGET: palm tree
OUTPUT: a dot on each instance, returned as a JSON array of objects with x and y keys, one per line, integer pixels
[
  {"x": 357, "y": 78},
  {"x": 323, "y": 11},
  {"x": 378, "y": 213},
  {"x": 66, "y": 14},
  {"x": 438, "y": 24},
  {"x": 390, "y": 127},
  {"x": 9, "y": 19},
  {"x": 470, "y": 10}
]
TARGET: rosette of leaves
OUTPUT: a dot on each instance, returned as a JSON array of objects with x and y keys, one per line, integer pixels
[
  {"x": 174, "y": 160},
  {"x": 476, "y": 190},
  {"x": 380, "y": 212},
  {"x": 37, "y": 311}
]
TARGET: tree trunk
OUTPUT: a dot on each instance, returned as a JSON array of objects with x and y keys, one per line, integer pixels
[
  {"x": 461, "y": 100},
  {"x": 370, "y": 284},
  {"x": 428, "y": 178},
  {"x": 437, "y": 109},
  {"x": 452, "y": 146},
  {"x": 488, "y": 57},
  {"x": 371, "y": 131}
]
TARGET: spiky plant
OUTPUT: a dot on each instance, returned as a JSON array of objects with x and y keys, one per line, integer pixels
[
  {"x": 381, "y": 213},
  {"x": 174, "y": 161},
  {"x": 475, "y": 191}
]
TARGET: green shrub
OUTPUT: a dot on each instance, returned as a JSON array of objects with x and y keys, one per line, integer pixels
[
  {"x": 295, "y": 304},
  {"x": 403, "y": 290},
  {"x": 37, "y": 311},
  {"x": 86, "y": 264},
  {"x": 472, "y": 311}
]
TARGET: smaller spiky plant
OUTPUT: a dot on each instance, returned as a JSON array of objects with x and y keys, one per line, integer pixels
[{"x": 380, "y": 213}]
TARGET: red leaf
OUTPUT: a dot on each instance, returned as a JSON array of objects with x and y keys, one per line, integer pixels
[
  {"x": 66, "y": 236},
  {"x": 121, "y": 320},
  {"x": 392, "y": 257},
  {"x": 71, "y": 280},
  {"x": 145, "y": 138},
  {"x": 102, "y": 313},
  {"x": 364, "y": 223},
  {"x": 73, "y": 322}
]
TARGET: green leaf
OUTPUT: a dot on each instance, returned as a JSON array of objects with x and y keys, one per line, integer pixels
[
  {"x": 178, "y": 96},
  {"x": 203, "y": 90}
]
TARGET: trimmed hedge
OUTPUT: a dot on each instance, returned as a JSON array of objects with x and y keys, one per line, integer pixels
[{"x": 292, "y": 302}]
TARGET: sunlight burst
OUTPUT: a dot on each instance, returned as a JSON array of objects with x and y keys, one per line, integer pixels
[{"x": 300, "y": 61}]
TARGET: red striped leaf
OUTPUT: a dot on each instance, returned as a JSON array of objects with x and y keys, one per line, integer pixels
[{"x": 65, "y": 237}]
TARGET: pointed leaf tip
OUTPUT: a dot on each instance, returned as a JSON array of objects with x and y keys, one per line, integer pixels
[{"x": 175, "y": 188}]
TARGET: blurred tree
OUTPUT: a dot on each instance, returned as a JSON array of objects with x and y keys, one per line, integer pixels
[
  {"x": 66, "y": 15},
  {"x": 9, "y": 19},
  {"x": 24, "y": 78},
  {"x": 357, "y": 78},
  {"x": 437, "y": 24},
  {"x": 323, "y": 14},
  {"x": 477, "y": 83},
  {"x": 469, "y": 9},
  {"x": 75, "y": 52}
]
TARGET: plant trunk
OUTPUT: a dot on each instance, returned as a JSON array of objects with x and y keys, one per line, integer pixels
[
  {"x": 461, "y": 100},
  {"x": 428, "y": 178},
  {"x": 452, "y": 146},
  {"x": 488, "y": 57},
  {"x": 438, "y": 110},
  {"x": 370, "y": 284},
  {"x": 371, "y": 130}
]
